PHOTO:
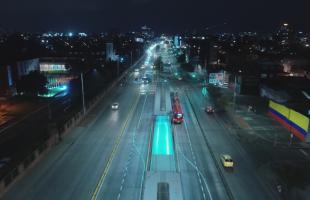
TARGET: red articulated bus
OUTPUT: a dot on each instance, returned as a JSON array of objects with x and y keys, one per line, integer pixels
[{"x": 177, "y": 110}]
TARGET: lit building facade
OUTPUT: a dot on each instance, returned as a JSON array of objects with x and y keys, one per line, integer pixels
[
  {"x": 7, "y": 83},
  {"x": 177, "y": 41},
  {"x": 109, "y": 51},
  {"x": 54, "y": 70},
  {"x": 285, "y": 35}
]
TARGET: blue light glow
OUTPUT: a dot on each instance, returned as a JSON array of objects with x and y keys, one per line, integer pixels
[{"x": 162, "y": 142}]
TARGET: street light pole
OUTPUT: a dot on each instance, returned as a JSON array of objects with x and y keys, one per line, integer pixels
[
  {"x": 131, "y": 58},
  {"x": 117, "y": 67},
  {"x": 83, "y": 99},
  {"x": 235, "y": 86},
  {"x": 49, "y": 110}
]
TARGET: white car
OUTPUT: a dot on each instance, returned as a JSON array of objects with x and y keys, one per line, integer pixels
[
  {"x": 115, "y": 106},
  {"x": 145, "y": 80}
]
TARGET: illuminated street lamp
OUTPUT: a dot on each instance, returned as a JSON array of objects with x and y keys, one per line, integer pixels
[{"x": 83, "y": 98}]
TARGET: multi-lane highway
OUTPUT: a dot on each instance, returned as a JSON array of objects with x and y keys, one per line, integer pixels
[
  {"x": 102, "y": 158},
  {"x": 106, "y": 155}
]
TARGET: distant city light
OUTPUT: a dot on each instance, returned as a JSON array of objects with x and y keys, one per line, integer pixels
[
  {"x": 140, "y": 40},
  {"x": 54, "y": 91},
  {"x": 70, "y": 34},
  {"x": 64, "y": 87},
  {"x": 193, "y": 75},
  {"x": 52, "y": 67},
  {"x": 80, "y": 34}
]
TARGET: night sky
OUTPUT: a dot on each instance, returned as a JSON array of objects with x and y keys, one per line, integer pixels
[{"x": 162, "y": 15}]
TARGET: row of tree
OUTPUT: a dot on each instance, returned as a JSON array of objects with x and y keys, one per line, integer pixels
[
  {"x": 185, "y": 65},
  {"x": 219, "y": 101},
  {"x": 32, "y": 84},
  {"x": 158, "y": 63}
]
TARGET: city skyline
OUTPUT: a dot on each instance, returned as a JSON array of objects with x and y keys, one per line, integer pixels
[
  {"x": 164, "y": 16},
  {"x": 146, "y": 100}
]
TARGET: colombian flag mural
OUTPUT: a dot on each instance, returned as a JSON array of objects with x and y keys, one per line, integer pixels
[{"x": 295, "y": 122}]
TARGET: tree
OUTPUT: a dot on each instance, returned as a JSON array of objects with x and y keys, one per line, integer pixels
[
  {"x": 157, "y": 48},
  {"x": 32, "y": 84},
  {"x": 158, "y": 63},
  {"x": 77, "y": 66},
  {"x": 110, "y": 70},
  {"x": 181, "y": 58},
  {"x": 214, "y": 92},
  {"x": 188, "y": 67},
  {"x": 219, "y": 101}
]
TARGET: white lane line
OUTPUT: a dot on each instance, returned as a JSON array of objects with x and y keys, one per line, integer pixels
[
  {"x": 199, "y": 173},
  {"x": 177, "y": 152},
  {"x": 195, "y": 164},
  {"x": 303, "y": 152},
  {"x": 101, "y": 180},
  {"x": 134, "y": 148}
]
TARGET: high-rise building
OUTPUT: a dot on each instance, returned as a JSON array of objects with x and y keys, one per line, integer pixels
[
  {"x": 147, "y": 32},
  {"x": 7, "y": 87},
  {"x": 285, "y": 35},
  {"x": 109, "y": 51},
  {"x": 177, "y": 41}
]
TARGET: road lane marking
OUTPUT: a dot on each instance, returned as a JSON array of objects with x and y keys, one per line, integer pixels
[
  {"x": 197, "y": 170},
  {"x": 136, "y": 148},
  {"x": 303, "y": 152},
  {"x": 112, "y": 155},
  {"x": 177, "y": 154},
  {"x": 195, "y": 164},
  {"x": 187, "y": 132}
]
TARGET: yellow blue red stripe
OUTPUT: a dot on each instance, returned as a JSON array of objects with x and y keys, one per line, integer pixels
[{"x": 296, "y": 130}]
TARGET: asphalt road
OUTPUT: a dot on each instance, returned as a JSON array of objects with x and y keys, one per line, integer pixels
[
  {"x": 243, "y": 181},
  {"x": 72, "y": 169},
  {"x": 208, "y": 138},
  {"x": 105, "y": 156},
  {"x": 200, "y": 178}
]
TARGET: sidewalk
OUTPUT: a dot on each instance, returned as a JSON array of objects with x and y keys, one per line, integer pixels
[{"x": 282, "y": 163}]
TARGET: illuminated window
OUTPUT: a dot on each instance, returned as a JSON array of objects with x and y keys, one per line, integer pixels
[{"x": 46, "y": 67}]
